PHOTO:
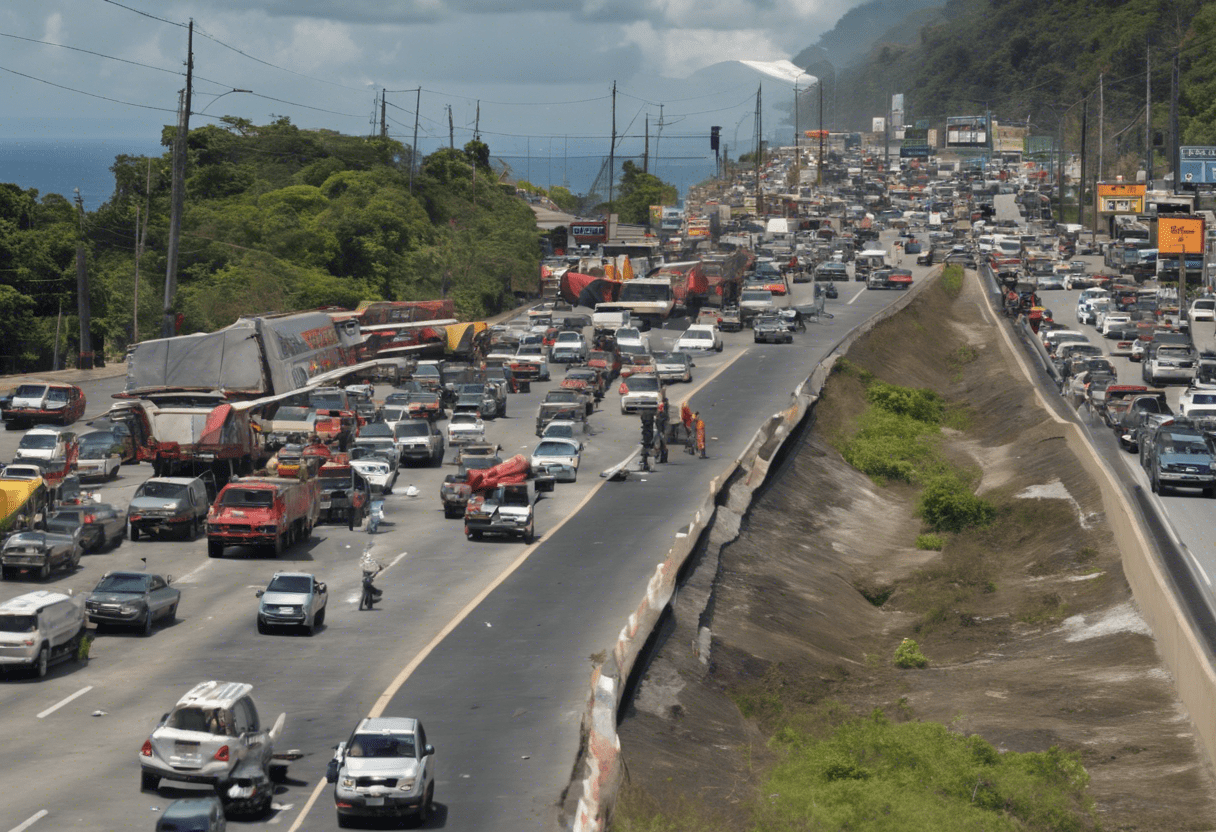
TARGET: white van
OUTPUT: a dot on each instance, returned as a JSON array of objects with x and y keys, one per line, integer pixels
[
  {"x": 40, "y": 628},
  {"x": 986, "y": 243}
]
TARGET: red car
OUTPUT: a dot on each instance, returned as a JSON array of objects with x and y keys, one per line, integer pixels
[{"x": 40, "y": 402}]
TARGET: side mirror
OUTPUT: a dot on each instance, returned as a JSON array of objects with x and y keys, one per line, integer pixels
[
  {"x": 260, "y": 593},
  {"x": 168, "y": 579},
  {"x": 321, "y": 587},
  {"x": 428, "y": 750},
  {"x": 331, "y": 771}
]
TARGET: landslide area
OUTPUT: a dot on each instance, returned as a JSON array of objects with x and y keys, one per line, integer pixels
[{"x": 1032, "y": 637}]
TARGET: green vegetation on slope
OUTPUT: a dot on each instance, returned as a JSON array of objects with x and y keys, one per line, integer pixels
[{"x": 277, "y": 219}]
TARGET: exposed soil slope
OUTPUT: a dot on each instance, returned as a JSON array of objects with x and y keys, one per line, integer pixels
[{"x": 1029, "y": 625}]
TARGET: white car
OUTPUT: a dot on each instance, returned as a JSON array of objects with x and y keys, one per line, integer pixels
[
  {"x": 1198, "y": 395},
  {"x": 628, "y": 335},
  {"x": 465, "y": 427},
  {"x": 1088, "y": 311},
  {"x": 391, "y": 414},
  {"x": 699, "y": 338},
  {"x": 559, "y": 457},
  {"x": 641, "y": 392},
  {"x": 100, "y": 455},
  {"x": 534, "y": 354},
  {"x": 380, "y": 475},
  {"x": 1203, "y": 309},
  {"x": 1111, "y": 320}
]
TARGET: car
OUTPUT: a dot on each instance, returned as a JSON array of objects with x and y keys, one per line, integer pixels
[
  {"x": 632, "y": 336},
  {"x": 1112, "y": 321},
  {"x": 1050, "y": 282},
  {"x": 753, "y": 302},
  {"x": 385, "y": 769},
  {"x": 379, "y": 470},
  {"x": 673, "y": 366},
  {"x": 99, "y": 524},
  {"x": 557, "y": 457},
  {"x": 214, "y": 736},
  {"x": 925, "y": 258},
  {"x": 1178, "y": 456},
  {"x": 537, "y": 354},
  {"x": 44, "y": 444},
  {"x": 292, "y": 599},
  {"x": 40, "y": 551},
  {"x": 418, "y": 440},
  {"x": 466, "y": 427},
  {"x": 1203, "y": 309},
  {"x": 564, "y": 429},
  {"x": 913, "y": 247},
  {"x": 193, "y": 814},
  {"x": 177, "y": 505},
  {"x": 100, "y": 455},
  {"x": 1197, "y": 395},
  {"x": 771, "y": 329},
  {"x": 568, "y": 348},
  {"x": 641, "y": 393},
  {"x": 133, "y": 599},
  {"x": 700, "y": 338},
  {"x": 41, "y": 403}
]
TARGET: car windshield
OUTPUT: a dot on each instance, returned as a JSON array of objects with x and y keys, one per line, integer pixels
[
  {"x": 38, "y": 441},
  {"x": 412, "y": 429},
  {"x": 560, "y": 431},
  {"x": 478, "y": 463},
  {"x": 1203, "y": 398},
  {"x": 463, "y": 419},
  {"x": 326, "y": 401},
  {"x": 30, "y": 391},
  {"x": 290, "y": 583},
  {"x": 628, "y": 334},
  {"x": 202, "y": 720},
  {"x": 96, "y": 445},
  {"x": 123, "y": 583},
  {"x": 161, "y": 490},
  {"x": 57, "y": 394},
  {"x": 252, "y": 497},
  {"x": 643, "y": 384},
  {"x": 554, "y": 449},
  {"x": 698, "y": 335},
  {"x": 765, "y": 295},
  {"x": 18, "y": 623},
  {"x": 381, "y": 745},
  {"x": 429, "y": 371},
  {"x": 395, "y": 414},
  {"x": 562, "y": 396},
  {"x": 1180, "y": 443}
]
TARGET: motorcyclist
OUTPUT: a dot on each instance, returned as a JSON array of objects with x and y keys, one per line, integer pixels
[{"x": 370, "y": 568}]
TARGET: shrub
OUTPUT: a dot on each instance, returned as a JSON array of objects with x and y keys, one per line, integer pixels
[
  {"x": 908, "y": 654},
  {"x": 891, "y": 445},
  {"x": 952, "y": 279},
  {"x": 947, "y": 505},
  {"x": 930, "y": 542},
  {"x": 921, "y": 405}
]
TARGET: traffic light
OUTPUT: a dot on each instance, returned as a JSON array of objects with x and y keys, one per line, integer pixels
[
  {"x": 647, "y": 429},
  {"x": 713, "y": 137}
]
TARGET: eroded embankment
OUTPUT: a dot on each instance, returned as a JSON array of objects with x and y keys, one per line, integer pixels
[{"x": 1032, "y": 636}]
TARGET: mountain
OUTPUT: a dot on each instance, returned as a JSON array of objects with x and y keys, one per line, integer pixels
[{"x": 851, "y": 39}]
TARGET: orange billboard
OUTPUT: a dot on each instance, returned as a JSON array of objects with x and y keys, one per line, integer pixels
[
  {"x": 1120, "y": 198},
  {"x": 1180, "y": 235}
]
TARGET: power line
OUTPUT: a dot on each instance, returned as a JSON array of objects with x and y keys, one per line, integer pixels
[
  {"x": 305, "y": 106},
  {"x": 89, "y": 52},
  {"x": 90, "y": 94},
  {"x": 145, "y": 14},
  {"x": 273, "y": 66},
  {"x": 512, "y": 103}
]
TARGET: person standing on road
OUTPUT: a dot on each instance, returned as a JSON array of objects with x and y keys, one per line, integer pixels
[{"x": 699, "y": 426}]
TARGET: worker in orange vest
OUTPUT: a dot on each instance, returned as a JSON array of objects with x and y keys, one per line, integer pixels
[{"x": 699, "y": 425}]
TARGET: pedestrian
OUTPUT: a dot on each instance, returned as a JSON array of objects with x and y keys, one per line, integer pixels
[
  {"x": 699, "y": 425},
  {"x": 660, "y": 447}
]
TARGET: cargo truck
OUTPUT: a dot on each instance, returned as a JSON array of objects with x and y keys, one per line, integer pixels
[{"x": 263, "y": 511}]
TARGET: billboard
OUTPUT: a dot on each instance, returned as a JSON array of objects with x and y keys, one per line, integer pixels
[
  {"x": 1180, "y": 235},
  {"x": 916, "y": 143},
  {"x": 1008, "y": 138},
  {"x": 878, "y": 125},
  {"x": 967, "y": 131},
  {"x": 1197, "y": 165},
  {"x": 897, "y": 110},
  {"x": 589, "y": 233},
  {"x": 1120, "y": 198}
]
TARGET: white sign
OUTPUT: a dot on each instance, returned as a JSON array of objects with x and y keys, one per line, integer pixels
[{"x": 880, "y": 125}]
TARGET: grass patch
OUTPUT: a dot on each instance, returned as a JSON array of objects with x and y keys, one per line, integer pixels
[
  {"x": 930, "y": 542},
  {"x": 908, "y": 654},
  {"x": 952, "y": 279},
  {"x": 947, "y": 504},
  {"x": 872, "y": 775},
  {"x": 1045, "y": 609}
]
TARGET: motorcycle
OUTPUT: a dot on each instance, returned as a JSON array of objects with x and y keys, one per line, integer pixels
[
  {"x": 375, "y": 516},
  {"x": 371, "y": 568}
]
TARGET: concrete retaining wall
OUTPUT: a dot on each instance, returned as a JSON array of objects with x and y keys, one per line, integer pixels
[{"x": 598, "y": 773}]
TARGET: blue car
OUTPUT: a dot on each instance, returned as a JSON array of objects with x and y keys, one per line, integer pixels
[{"x": 194, "y": 814}]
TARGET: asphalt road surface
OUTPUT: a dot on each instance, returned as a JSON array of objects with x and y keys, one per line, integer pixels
[{"x": 488, "y": 643}]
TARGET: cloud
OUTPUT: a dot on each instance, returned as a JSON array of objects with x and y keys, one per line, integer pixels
[
  {"x": 54, "y": 28},
  {"x": 680, "y": 53}
]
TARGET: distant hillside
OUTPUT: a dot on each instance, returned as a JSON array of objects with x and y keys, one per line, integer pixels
[{"x": 850, "y": 40}]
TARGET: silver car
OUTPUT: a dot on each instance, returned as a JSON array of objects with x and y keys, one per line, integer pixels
[
  {"x": 292, "y": 599},
  {"x": 385, "y": 769}
]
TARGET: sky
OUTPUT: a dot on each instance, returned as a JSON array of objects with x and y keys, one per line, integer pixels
[{"x": 542, "y": 69}]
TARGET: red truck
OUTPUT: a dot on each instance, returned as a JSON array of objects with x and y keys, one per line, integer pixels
[{"x": 263, "y": 511}]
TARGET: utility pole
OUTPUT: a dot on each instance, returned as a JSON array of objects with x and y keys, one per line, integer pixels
[
  {"x": 141, "y": 239},
  {"x": 1174, "y": 139},
  {"x": 646, "y": 146},
  {"x": 414, "y": 146},
  {"x": 451, "y": 130},
  {"x": 1101, "y": 127},
  {"x": 657, "y": 139},
  {"x": 58, "y": 324},
  {"x": 819, "y": 172},
  {"x": 612, "y": 151},
  {"x": 85, "y": 359},
  {"x": 177, "y": 203},
  {"x": 759, "y": 147},
  {"x": 383, "y": 115},
  {"x": 1148, "y": 115},
  {"x": 477, "y": 122},
  {"x": 1081, "y": 185}
]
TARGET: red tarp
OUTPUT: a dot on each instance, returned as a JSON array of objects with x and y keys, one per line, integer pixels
[
  {"x": 588, "y": 290},
  {"x": 214, "y": 425},
  {"x": 514, "y": 470},
  {"x": 372, "y": 313}
]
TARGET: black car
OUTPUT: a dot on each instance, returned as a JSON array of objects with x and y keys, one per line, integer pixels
[
  {"x": 925, "y": 258},
  {"x": 913, "y": 247},
  {"x": 100, "y": 524},
  {"x": 133, "y": 599}
]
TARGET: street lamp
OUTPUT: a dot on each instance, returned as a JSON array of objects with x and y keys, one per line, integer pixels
[{"x": 218, "y": 97}]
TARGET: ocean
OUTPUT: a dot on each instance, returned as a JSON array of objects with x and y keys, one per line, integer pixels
[{"x": 61, "y": 165}]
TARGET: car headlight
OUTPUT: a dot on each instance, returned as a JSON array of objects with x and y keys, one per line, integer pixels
[
  {"x": 348, "y": 782},
  {"x": 129, "y": 608},
  {"x": 267, "y": 529}
]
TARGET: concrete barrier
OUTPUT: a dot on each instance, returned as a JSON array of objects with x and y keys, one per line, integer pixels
[{"x": 598, "y": 772}]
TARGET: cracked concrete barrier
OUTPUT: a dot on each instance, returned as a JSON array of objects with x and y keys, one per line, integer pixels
[{"x": 598, "y": 771}]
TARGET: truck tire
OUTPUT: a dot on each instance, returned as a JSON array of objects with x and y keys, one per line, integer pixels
[
  {"x": 278, "y": 545},
  {"x": 215, "y": 549},
  {"x": 145, "y": 628},
  {"x": 42, "y": 662},
  {"x": 134, "y": 531},
  {"x": 44, "y": 571}
]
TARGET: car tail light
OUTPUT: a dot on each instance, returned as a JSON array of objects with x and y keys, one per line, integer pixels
[
  {"x": 89, "y": 518},
  {"x": 146, "y": 750},
  {"x": 222, "y": 754}
]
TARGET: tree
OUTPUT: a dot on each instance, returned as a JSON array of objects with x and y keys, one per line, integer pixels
[
  {"x": 563, "y": 199},
  {"x": 639, "y": 191}
]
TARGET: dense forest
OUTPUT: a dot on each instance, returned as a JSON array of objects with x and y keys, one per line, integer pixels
[
  {"x": 277, "y": 219},
  {"x": 1033, "y": 60}
]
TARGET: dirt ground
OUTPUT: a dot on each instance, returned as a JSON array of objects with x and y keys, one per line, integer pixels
[{"x": 1032, "y": 634}]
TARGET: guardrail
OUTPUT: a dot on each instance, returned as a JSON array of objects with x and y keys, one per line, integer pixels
[{"x": 598, "y": 772}]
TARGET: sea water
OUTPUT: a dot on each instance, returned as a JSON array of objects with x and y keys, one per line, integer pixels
[{"x": 58, "y": 166}]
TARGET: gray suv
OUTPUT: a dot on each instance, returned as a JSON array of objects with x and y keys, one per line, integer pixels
[
  {"x": 171, "y": 504},
  {"x": 385, "y": 769}
]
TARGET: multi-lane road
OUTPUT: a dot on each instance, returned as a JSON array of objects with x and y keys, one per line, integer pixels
[{"x": 489, "y": 643}]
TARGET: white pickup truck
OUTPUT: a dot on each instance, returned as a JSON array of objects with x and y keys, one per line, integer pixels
[{"x": 40, "y": 628}]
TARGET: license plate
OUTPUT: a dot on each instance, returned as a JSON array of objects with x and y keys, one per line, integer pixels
[
  {"x": 374, "y": 801},
  {"x": 325, "y": 504},
  {"x": 285, "y": 610},
  {"x": 185, "y": 747}
]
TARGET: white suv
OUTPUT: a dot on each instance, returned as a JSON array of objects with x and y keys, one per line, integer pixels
[
  {"x": 1203, "y": 309},
  {"x": 1114, "y": 319},
  {"x": 699, "y": 338},
  {"x": 385, "y": 770}
]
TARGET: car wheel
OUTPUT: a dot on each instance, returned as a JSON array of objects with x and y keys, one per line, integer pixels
[
  {"x": 171, "y": 615},
  {"x": 44, "y": 571},
  {"x": 42, "y": 662},
  {"x": 320, "y": 617},
  {"x": 146, "y": 628},
  {"x": 114, "y": 473},
  {"x": 215, "y": 549},
  {"x": 424, "y": 810},
  {"x": 262, "y": 626},
  {"x": 148, "y": 782},
  {"x": 309, "y": 629},
  {"x": 134, "y": 531},
  {"x": 343, "y": 821}
]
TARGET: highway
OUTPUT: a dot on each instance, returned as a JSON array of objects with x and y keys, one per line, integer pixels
[{"x": 490, "y": 643}]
